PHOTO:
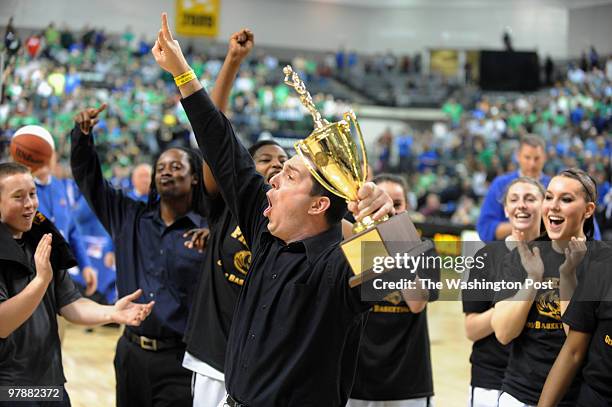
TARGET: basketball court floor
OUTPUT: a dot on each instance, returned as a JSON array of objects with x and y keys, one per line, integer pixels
[{"x": 88, "y": 360}]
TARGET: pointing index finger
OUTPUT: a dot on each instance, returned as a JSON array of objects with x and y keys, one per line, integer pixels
[
  {"x": 100, "y": 109},
  {"x": 165, "y": 29}
]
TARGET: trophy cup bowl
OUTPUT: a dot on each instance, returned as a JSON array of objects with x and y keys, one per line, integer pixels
[
  {"x": 330, "y": 153},
  {"x": 331, "y": 156}
]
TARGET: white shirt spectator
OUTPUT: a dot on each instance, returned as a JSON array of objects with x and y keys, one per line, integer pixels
[
  {"x": 576, "y": 75},
  {"x": 44, "y": 89}
]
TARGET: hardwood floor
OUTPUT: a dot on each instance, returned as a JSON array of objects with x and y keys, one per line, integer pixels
[{"x": 88, "y": 360}]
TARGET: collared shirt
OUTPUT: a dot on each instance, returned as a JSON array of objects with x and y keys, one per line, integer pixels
[
  {"x": 149, "y": 254},
  {"x": 297, "y": 325}
]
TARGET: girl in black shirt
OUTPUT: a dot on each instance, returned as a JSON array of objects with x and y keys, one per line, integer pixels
[
  {"x": 530, "y": 317},
  {"x": 588, "y": 347},
  {"x": 523, "y": 206}
]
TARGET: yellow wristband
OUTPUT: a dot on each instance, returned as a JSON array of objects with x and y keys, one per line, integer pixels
[{"x": 185, "y": 77}]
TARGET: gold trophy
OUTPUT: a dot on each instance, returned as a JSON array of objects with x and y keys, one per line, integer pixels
[{"x": 330, "y": 154}]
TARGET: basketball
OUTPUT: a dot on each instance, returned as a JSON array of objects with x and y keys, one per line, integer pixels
[{"x": 32, "y": 146}]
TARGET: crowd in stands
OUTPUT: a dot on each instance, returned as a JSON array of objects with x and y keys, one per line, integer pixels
[
  {"x": 450, "y": 166},
  {"x": 53, "y": 74}
]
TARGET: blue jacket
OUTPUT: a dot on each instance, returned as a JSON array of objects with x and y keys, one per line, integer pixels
[{"x": 53, "y": 203}]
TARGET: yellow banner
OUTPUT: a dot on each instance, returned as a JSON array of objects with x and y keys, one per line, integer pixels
[{"x": 197, "y": 17}]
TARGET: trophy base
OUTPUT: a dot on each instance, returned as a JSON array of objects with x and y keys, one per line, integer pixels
[
  {"x": 367, "y": 223},
  {"x": 360, "y": 249}
]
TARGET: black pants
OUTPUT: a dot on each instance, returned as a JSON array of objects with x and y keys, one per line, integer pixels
[{"x": 151, "y": 378}]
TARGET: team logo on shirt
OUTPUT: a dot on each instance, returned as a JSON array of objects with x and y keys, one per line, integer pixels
[
  {"x": 237, "y": 234},
  {"x": 39, "y": 218},
  {"x": 548, "y": 303},
  {"x": 242, "y": 259}
]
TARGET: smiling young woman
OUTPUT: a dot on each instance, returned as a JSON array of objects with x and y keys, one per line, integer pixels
[
  {"x": 531, "y": 318},
  {"x": 522, "y": 203},
  {"x": 589, "y": 313}
]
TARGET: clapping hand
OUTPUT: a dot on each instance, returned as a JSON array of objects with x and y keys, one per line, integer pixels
[
  {"x": 574, "y": 253},
  {"x": 127, "y": 312}
]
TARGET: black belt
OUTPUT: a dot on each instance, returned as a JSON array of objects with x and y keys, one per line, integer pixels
[
  {"x": 229, "y": 401},
  {"x": 151, "y": 343}
]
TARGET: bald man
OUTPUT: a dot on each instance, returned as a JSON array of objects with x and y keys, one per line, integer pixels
[{"x": 141, "y": 182}]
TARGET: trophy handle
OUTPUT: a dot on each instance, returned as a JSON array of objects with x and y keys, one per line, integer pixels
[
  {"x": 350, "y": 117},
  {"x": 313, "y": 171}
]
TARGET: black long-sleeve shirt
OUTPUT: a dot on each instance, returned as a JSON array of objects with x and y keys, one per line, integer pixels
[
  {"x": 296, "y": 328},
  {"x": 149, "y": 254}
]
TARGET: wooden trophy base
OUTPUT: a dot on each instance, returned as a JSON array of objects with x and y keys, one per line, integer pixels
[{"x": 361, "y": 249}]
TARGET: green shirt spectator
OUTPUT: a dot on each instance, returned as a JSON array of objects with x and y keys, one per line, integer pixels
[
  {"x": 281, "y": 93},
  {"x": 515, "y": 121},
  {"x": 453, "y": 110},
  {"x": 560, "y": 120},
  {"x": 52, "y": 36}
]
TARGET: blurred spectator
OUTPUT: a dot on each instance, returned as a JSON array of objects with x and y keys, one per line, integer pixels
[
  {"x": 385, "y": 144},
  {"x": 531, "y": 156},
  {"x": 432, "y": 208},
  {"x": 453, "y": 110},
  {"x": 141, "y": 182},
  {"x": 52, "y": 36},
  {"x": 34, "y": 45},
  {"x": 549, "y": 68},
  {"x": 593, "y": 57},
  {"x": 466, "y": 212},
  {"x": 12, "y": 43}
]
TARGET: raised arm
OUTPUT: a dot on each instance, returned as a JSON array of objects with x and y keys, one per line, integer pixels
[
  {"x": 242, "y": 188},
  {"x": 240, "y": 45},
  {"x": 109, "y": 204}
]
